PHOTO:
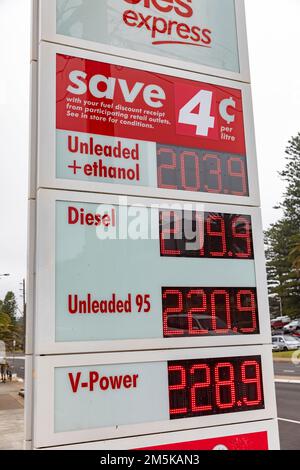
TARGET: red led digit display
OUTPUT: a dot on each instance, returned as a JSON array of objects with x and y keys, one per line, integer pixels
[
  {"x": 198, "y": 170},
  {"x": 215, "y": 386},
  {"x": 205, "y": 235},
  {"x": 192, "y": 311}
]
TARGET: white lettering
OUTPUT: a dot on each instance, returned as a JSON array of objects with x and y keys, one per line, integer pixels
[
  {"x": 105, "y": 87},
  {"x": 75, "y": 78},
  {"x": 110, "y": 84},
  {"x": 153, "y": 93}
]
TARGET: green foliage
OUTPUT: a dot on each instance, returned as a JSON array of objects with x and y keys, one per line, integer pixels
[
  {"x": 291, "y": 175},
  {"x": 294, "y": 255},
  {"x": 10, "y": 306},
  {"x": 283, "y": 239},
  {"x": 11, "y": 327},
  {"x": 5, "y": 321}
]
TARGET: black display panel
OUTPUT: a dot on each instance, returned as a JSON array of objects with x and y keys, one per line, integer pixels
[
  {"x": 205, "y": 235},
  {"x": 195, "y": 170},
  {"x": 202, "y": 311},
  {"x": 215, "y": 386}
]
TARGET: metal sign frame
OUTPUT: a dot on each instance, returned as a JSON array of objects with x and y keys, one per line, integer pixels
[
  {"x": 270, "y": 427},
  {"x": 46, "y": 177},
  {"x": 44, "y": 431},
  {"x": 48, "y": 33},
  {"x": 45, "y": 282}
]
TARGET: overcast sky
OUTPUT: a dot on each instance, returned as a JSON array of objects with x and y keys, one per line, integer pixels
[{"x": 273, "y": 30}]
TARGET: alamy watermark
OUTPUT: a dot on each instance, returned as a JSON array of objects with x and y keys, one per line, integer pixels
[{"x": 176, "y": 221}]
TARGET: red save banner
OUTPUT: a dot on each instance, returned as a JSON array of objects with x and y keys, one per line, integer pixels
[
  {"x": 104, "y": 99},
  {"x": 255, "y": 441}
]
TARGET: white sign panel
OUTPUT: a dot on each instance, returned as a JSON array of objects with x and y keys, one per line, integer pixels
[
  {"x": 94, "y": 397},
  {"x": 117, "y": 274},
  {"x": 110, "y": 125},
  {"x": 207, "y": 36},
  {"x": 260, "y": 436}
]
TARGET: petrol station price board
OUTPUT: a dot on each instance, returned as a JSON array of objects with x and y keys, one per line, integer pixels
[
  {"x": 148, "y": 275},
  {"x": 149, "y": 310},
  {"x": 88, "y": 398},
  {"x": 118, "y": 128}
]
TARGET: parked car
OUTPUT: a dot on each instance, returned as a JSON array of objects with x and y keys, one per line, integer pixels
[
  {"x": 279, "y": 322},
  {"x": 285, "y": 343},
  {"x": 179, "y": 322},
  {"x": 293, "y": 326},
  {"x": 277, "y": 332},
  {"x": 276, "y": 347}
]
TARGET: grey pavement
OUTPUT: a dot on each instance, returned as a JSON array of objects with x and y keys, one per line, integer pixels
[{"x": 11, "y": 416}]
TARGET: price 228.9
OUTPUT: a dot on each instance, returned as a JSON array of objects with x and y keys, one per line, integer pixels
[{"x": 215, "y": 386}]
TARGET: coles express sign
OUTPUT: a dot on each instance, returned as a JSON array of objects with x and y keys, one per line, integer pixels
[
  {"x": 104, "y": 99},
  {"x": 163, "y": 30}
]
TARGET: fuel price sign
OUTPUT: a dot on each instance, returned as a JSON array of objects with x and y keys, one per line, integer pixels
[
  {"x": 150, "y": 392},
  {"x": 149, "y": 309},
  {"x": 146, "y": 274},
  {"x": 121, "y": 129}
]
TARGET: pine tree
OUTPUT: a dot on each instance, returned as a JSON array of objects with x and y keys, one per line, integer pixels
[
  {"x": 291, "y": 176},
  {"x": 295, "y": 253},
  {"x": 10, "y": 306},
  {"x": 11, "y": 326},
  {"x": 283, "y": 237}
]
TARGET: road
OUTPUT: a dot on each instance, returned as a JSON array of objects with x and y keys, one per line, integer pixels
[
  {"x": 286, "y": 369},
  {"x": 288, "y": 404},
  {"x": 18, "y": 364}
]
